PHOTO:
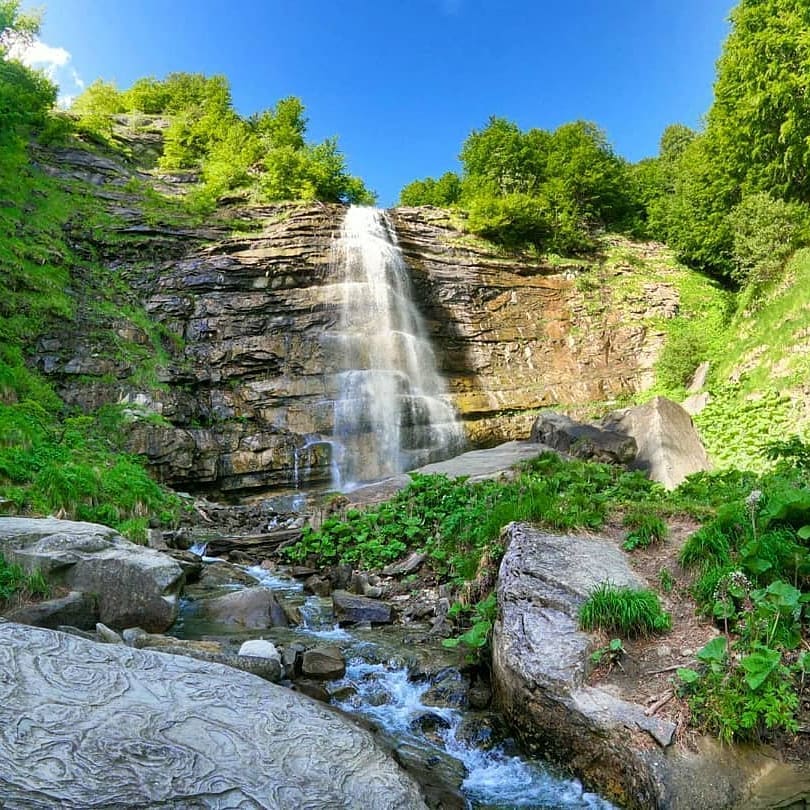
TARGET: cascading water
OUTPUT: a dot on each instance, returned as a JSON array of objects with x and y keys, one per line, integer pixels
[{"x": 392, "y": 413}]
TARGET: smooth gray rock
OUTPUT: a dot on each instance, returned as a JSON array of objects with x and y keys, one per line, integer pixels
[
  {"x": 541, "y": 660},
  {"x": 255, "y": 608},
  {"x": 590, "y": 442},
  {"x": 134, "y": 585},
  {"x": 90, "y": 725},
  {"x": 77, "y": 609},
  {"x": 669, "y": 447},
  {"x": 350, "y": 608}
]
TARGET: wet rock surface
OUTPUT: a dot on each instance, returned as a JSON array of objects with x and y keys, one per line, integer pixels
[{"x": 351, "y": 609}]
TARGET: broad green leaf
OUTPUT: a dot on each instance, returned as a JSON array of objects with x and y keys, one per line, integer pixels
[
  {"x": 759, "y": 665},
  {"x": 715, "y": 650},
  {"x": 687, "y": 675}
]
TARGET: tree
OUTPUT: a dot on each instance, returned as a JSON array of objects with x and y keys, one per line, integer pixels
[
  {"x": 443, "y": 193},
  {"x": 760, "y": 118},
  {"x": 16, "y": 27},
  {"x": 96, "y": 107},
  {"x": 26, "y": 95}
]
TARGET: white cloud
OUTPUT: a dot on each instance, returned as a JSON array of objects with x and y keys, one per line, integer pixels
[{"x": 54, "y": 62}]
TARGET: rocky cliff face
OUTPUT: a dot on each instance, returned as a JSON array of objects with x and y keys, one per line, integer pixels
[{"x": 242, "y": 378}]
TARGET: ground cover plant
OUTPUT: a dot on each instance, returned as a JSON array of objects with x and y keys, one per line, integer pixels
[
  {"x": 752, "y": 568},
  {"x": 628, "y": 612},
  {"x": 14, "y": 582}
]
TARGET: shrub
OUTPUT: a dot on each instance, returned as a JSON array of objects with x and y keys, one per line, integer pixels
[
  {"x": 646, "y": 528},
  {"x": 623, "y": 611}
]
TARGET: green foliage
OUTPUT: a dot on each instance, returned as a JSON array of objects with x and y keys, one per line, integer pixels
[
  {"x": 686, "y": 347},
  {"x": 760, "y": 118},
  {"x": 96, "y": 106},
  {"x": 765, "y": 233},
  {"x": 477, "y": 637},
  {"x": 443, "y": 192},
  {"x": 611, "y": 654},
  {"x": 15, "y": 581},
  {"x": 457, "y": 523},
  {"x": 737, "y": 430},
  {"x": 741, "y": 697},
  {"x": 547, "y": 190},
  {"x": 646, "y": 527},
  {"x": 622, "y": 610},
  {"x": 74, "y": 468}
]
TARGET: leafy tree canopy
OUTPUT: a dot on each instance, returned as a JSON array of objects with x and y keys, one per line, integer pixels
[
  {"x": 540, "y": 188},
  {"x": 266, "y": 153}
]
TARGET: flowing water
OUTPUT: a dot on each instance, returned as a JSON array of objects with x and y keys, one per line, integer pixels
[
  {"x": 378, "y": 686},
  {"x": 392, "y": 412}
]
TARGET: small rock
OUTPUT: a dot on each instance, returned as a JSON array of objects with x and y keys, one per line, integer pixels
[
  {"x": 323, "y": 663},
  {"x": 107, "y": 636},
  {"x": 255, "y": 608},
  {"x": 407, "y": 566},
  {"x": 664, "y": 651},
  {"x": 313, "y": 689},
  {"x": 480, "y": 695},
  {"x": 317, "y": 585},
  {"x": 352, "y": 609},
  {"x": 259, "y": 648},
  {"x": 131, "y": 634}
]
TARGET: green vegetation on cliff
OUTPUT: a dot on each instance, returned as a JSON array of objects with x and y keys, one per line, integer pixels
[{"x": 265, "y": 154}]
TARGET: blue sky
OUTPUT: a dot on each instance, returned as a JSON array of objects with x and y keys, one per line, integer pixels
[{"x": 403, "y": 82}]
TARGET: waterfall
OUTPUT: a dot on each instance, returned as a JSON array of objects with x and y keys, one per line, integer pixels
[{"x": 392, "y": 412}]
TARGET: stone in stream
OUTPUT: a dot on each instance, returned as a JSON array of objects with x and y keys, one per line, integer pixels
[
  {"x": 95, "y": 725},
  {"x": 133, "y": 585},
  {"x": 255, "y": 608},
  {"x": 323, "y": 663},
  {"x": 350, "y": 608}
]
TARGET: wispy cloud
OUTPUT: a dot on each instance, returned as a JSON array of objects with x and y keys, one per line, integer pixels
[{"x": 54, "y": 62}]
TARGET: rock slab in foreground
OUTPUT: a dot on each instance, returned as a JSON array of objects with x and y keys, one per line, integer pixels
[
  {"x": 90, "y": 725},
  {"x": 540, "y": 664},
  {"x": 135, "y": 586}
]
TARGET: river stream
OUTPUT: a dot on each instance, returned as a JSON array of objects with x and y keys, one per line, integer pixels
[{"x": 386, "y": 685}]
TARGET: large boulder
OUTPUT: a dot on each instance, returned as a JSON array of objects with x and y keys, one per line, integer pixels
[
  {"x": 255, "y": 608},
  {"x": 134, "y": 585},
  {"x": 540, "y": 664},
  {"x": 669, "y": 447},
  {"x": 90, "y": 725},
  {"x": 589, "y": 442}
]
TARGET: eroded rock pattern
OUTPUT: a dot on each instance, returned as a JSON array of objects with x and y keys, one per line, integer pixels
[{"x": 85, "y": 725}]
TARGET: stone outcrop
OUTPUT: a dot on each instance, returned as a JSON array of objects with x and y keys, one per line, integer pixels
[
  {"x": 132, "y": 585},
  {"x": 669, "y": 448},
  {"x": 91, "y": 725},
  {"x": 246, "y": 380},
  {"x": 540, "y": 665},
  {"x": 582, "y": 440}
]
